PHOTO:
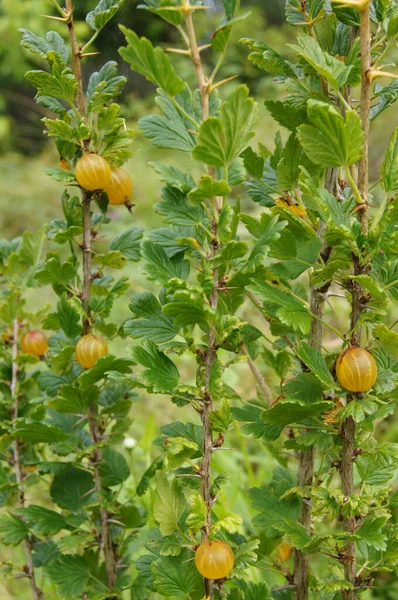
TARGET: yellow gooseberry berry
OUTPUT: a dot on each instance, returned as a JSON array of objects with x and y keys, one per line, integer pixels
[
  {"x": 120, "y": 187},
  {"x": 92, "y": 172},
  {"x": 214, "y": 559},
  {"x": 89, "y": 349},
  {"x": 356, "y": 370},
  {"x": 34, "y": 342}
]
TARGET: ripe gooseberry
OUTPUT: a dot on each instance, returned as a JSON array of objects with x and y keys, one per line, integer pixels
[
  {"x": 120, "y": 187},
  {"x": 34, "y": 342},
  {"x": 214, "y": 559},
  {"x": 92, "y": 172},
  {"x": 356, "y": 370},
  {"x": 89, "y": 349},
  {"x": 285, "y": 551}
]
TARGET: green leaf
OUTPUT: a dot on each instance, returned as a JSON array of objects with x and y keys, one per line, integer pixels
[
  {"x": 285, "y": 114},
  {"x": 103, "y": 366},
  {"x": 52, "y": 43},
  {"x": 255, "y": 425},
  {"x": 386, "y": 96},
  {"x": 177, "y": 210},
  {"x": 329, "y": 140},
  {"x": 152, "y": 63},
  {"x": 314, "y": 360},
  {"x": 188, "y": 308},
  {"x": 222, "y": 139},
  {"x": 289, "y": 310},
  {"x": 266, "y": 230},
  {"x": 267, "y": 59},
  {"x": 335, "y": 71},
  {"x": 161, "y": 268},
  {"x": 12, "y": 530},
  {"x": 273, "y": 509},
  {"x": 156, "y": 6},
  {"x": 103, "y": 12},
  {"x": 113, "y": 469},
  {"x": 149, "y": 322},
  {"x": 231, "y": 523},
  {"x": 71, "y": 574},
  {"x": 389, "y": 168},
  {"x": 103, "y": 86},
  {"x": 208, "y": 189},
  {"x": 72, "y": 400},
  {"x": 169, "y": 505},
  {"x": 55, "y": 273},
  {"x": 388, "y": 338},
  {"x": 70, "y": 488},
  {"x": 35, "y": 432},
  {"x": 161, "y": 373},
  {"x": 378, "y": 468},
  {"x": 128, "y": 243},
  {"x": 69, "y": 318},
  {"x": 60, "y": 83},
  {"x": 177, "y": 577},
  {"x": 173, "y": 177},
  {"x": 370, "y": 532},
  {"x": 198, "y": 515},
  {"x": 288, "y": 411},
  {"x": 60, "y": 175},
  {"x": 42, "y": 520},
  {"x": 254, "y": 164}
]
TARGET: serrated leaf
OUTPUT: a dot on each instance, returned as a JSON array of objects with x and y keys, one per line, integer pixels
[
  {"x": 329, "y": 140},
  {"x": 149, "y": 321},
  {"x": 35, "y": 432},
  {"x": 334, "y": 70},
  {"x": 161, "y": 268},
  {"x": 153, "y": 63},
  {"x": 102, "y": 13},
  {"x": 128, "y": 243},
  {"x": 12, "y": 530},
  {"x": 177, "y": 577},
  {"x": 42, "y": 520},
  {"x": 314, "y": 360},
  {"x": 170, "y": 504},
  {"x": 197, "y": 517},
  {"x": 113, "y": 469},
  {"x": 389, "y": 168},
  {"x": 288, "y": 411},
  {"x": 70, "y": 488},
  {"x": 71, "y": 575},
  {"x": 104, "y": 365},
  {"x": 222, "y": 139},
  {"x": 161, "y": 373},
  {"x": 208, "y": 189},
  {"x": 60, "y": 83}
]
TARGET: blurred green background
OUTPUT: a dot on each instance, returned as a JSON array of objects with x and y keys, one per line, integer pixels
[{"x": 29, "y": 199}]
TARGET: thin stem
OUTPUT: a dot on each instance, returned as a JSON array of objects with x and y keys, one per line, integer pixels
[
  {"x": 211, "y": 352},
  {"x": 354, "y": 186},
  {"x": 357, "y": 302},
  {"x": 306, "y": 458},
  {"x": 19, "y": 476},
  {"x": 90, "y": 41},
  {"x": 95, "y": 430},
  {"x": 380, "y": 214},
  {"x": 260, "y": 379},
  {"x": 363, "y": 167}
]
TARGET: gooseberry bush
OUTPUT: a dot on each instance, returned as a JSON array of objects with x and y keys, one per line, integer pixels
[{"x": 261, "y": 255}]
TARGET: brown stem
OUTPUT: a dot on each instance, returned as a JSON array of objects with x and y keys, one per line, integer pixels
[
  {"x": 260, "y": 379},
  {"x": 19, "y": 476},
  {"x": 106, "y": 538},
  {"x": 211, "y": 353},
  {"x": 357, "y": 304},
  {"x": 96, "y": 434},
  {"x": 363, "y": 167},
  {"x": 307, "y": 458},
  {"x": 86, "y": 198},
  {"x": 76, "y": 57}
]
